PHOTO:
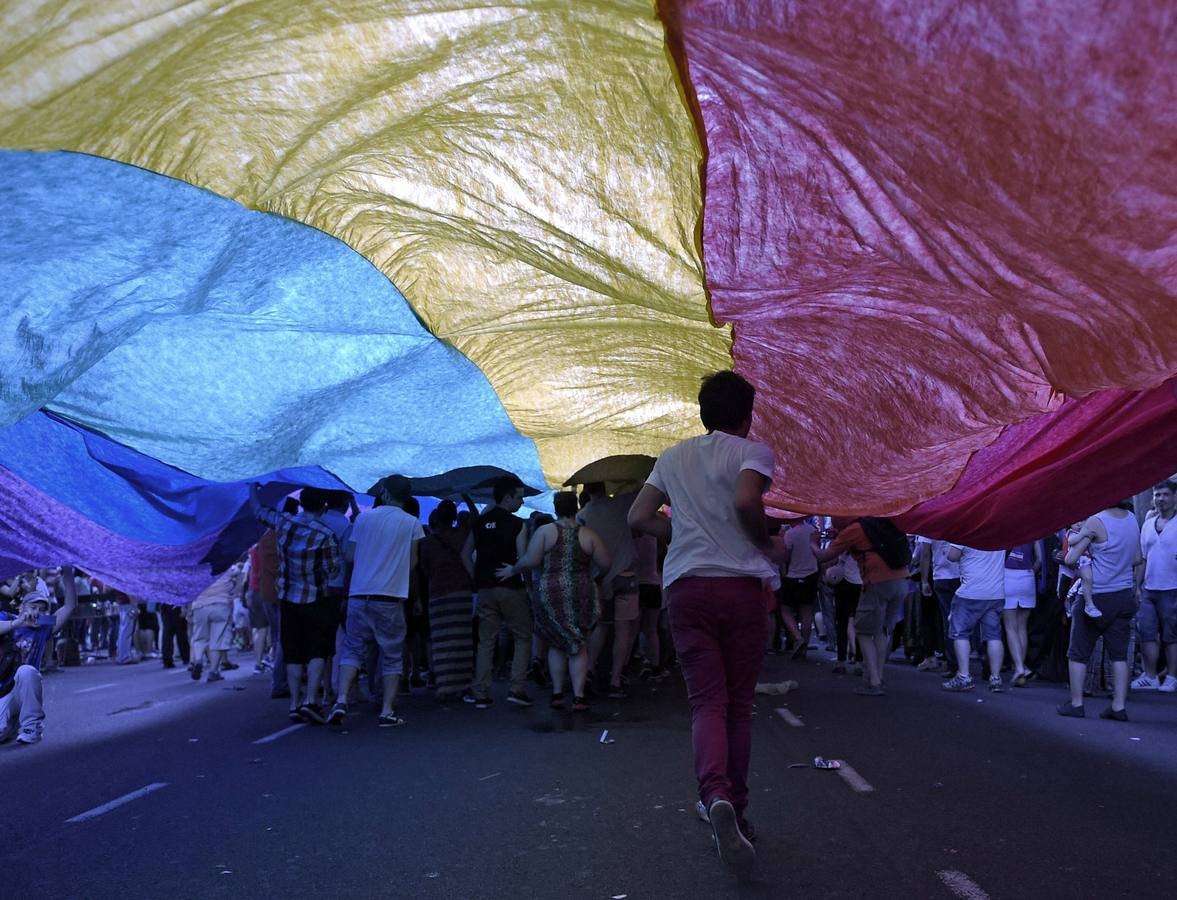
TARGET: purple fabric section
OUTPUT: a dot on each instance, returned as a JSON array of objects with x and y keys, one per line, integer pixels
[{"x": 37, "y": 530}]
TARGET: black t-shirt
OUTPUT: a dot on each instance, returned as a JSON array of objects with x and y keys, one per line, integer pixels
[{"x": 494, "y": 544}]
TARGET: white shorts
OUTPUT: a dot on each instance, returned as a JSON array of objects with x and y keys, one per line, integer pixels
[{"x": 1020, "y": 589}]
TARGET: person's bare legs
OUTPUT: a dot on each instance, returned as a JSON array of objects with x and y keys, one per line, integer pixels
[
  {"x": 1171, "y": 658},
  {"x": 1120, "y": 674},
  {"x": 1150, "y": 651},
  {"x": 261, "y": 644},
  {"x": 650, "y": 633},
  {"x": 805, "y": 626},
  {"x": 1078, "y": 677},
  {"x": 882, "y": 642},
  {"x": 578, "y": 668},
  {"x": 294, "y": 677},
  {"x": 347, "y": 677},
  {"x": 996, "y": 657},
  {"x": 597, "y": 641},
  {"x": 1017, "y": 653},
  {"x": 315, "y": 679},
  {"x": 962, "y": 647},
  {"x": 870, "y": 653},
  {"x": 851, "y": 641},
  {"x": 790, "y": 623},
  {"x": 623, "y": 638},
  {"x": 392, "y": 686},
  {"x": 557, "y": 661}
]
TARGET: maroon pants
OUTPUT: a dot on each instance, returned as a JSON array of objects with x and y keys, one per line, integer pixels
[{"x": 720, "y": 628}]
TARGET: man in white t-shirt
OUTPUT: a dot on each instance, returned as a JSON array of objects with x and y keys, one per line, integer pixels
[
  {"x": 978, "y": 604},
  {"x": 718, "y": 564},
  {"x": 381, "y": 557},
  {"x": 1156, "y": 619},
  {"x": 939, "y": 578}
]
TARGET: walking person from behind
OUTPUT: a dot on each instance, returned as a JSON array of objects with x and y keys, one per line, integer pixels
[{"x": 717, "y": 567}]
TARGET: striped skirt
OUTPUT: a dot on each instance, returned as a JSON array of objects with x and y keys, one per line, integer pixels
[{"x": 453, "y": 643}]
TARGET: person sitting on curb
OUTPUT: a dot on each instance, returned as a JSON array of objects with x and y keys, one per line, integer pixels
[{"x": 23, "y": 639}]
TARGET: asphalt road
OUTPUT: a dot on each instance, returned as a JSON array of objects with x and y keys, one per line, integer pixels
[{"x": 957, "y": 795}]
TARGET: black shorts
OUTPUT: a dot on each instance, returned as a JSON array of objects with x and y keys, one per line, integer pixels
[
  {"x": 649, "y": 596},
  {"x": 308, "y": 631},
  {"x": 798, "y": 592},
  {"x": 1114, "y": 626}
]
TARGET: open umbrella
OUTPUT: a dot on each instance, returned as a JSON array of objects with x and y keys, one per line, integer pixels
[{"x": 615, "y": 470}]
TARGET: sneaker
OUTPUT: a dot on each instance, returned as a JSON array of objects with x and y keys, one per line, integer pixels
[
  {"x": 168, "y": 664},
  {"x": 295, "y": 715},
  {"x": 996, "y": 685},
  {"x": 734, "y": 849},
  {"x": 483, "y": 703},
  {"x": 1116, "y": 715},
  {"x": 1146, "y": 682},
  {"x": 215, "y": 676},
  {"x": 258, "y": 669},
  {"x": 930, "y": 664},
  {"x": 520, "y": 698},
  {"x": 868, "y": 690},
  {"x": 229, "y": 665},
  {"x": 959, "y": 683},
  {"x": 1169, "y": 685},
  {"x": 196, "y": 670},
  {"x": 338, "y": 714},
  {"x": 557, "y": 701},
  {"x": 468, "y": 697},
  {"x": 28, "y": 738},
  {"x": 391, "y": 720},
  {"x": 617, "y": 693},
  {"x": 312, "y": 713},
  {"x": 579, "y": 704},
  {"x": 839, "y": 668},
  {"x": 1074, "y": 712}
]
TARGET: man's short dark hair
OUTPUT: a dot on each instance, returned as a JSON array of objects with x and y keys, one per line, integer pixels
[
  {"x": 1170, "y": 486},
  {"x": 312, "y": 499},
  {"x": 504, "y": 485},
  {"x": 290, "y": 506},
  {"x": 595, "y": 488},
  {"x": 338, "y": 500},
  {"x": 725, "y": 401},
  {"x": 566, "y": 504}
]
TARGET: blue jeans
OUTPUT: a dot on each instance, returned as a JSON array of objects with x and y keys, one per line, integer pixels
[
  {"x": 279, "y": 684},
  {"x": 127, "y": 614}
]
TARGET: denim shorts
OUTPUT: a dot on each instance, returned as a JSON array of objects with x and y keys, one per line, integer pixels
[
  {"x": 966, "y": 614},
  {"x": 374, "y": 621},
  {"x": 1156, "y": 620}
]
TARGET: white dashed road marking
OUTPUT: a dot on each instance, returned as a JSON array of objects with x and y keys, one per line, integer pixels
[
  {"x": 270, "y": 738},
  {"x": 97, "y": 687},
  {"x": 117, "y": 802},
  {"x": 790, "y": 718},
  {"x": 961, "y": 885},
  {"x": 852, "y": 778}
]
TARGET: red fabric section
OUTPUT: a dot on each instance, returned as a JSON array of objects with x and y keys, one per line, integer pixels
[
  {"x": 1057, "y": 468},
  {"x": 931, "y": 220}
]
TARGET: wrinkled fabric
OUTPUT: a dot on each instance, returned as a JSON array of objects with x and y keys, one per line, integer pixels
[
  {"x": 930, "y": 221},
  {"x": 225, "y": 342},
  {"x": 526, "y": 173}
]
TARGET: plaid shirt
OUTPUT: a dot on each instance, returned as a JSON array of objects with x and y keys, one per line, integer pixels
[{"x": 308, "y": 555}]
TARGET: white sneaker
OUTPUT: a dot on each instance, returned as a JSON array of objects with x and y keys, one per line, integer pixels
[
  {"x": 1146, "y": 682},
  {"x": 1168, "y": 686}
]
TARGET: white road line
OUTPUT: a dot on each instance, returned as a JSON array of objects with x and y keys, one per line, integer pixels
[
  {"x": 269, "y": 738},
  {"x": 116, "y": 803},
  {"x": 97, "y": 687},
  {"x": 790, "y": 718},
  {"x": 961, "y": 885},
  {"x": 852, "y": 778}
]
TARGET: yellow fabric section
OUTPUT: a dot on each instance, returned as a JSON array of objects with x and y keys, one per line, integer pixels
[{"x": 525, "y": 172}]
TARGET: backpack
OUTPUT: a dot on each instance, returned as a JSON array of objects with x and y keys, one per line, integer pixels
[{"x": 887, "y": 541}]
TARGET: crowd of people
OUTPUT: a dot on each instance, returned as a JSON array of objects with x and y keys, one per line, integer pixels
[{"x": 687, "y": 570}]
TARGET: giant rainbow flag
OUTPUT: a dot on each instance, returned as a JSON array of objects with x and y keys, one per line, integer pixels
[{"x": 311, "y": 242}]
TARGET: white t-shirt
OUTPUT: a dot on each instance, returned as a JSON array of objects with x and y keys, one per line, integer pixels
[
  {"x": 1160, "y": 555},
  {"x": 982, "y": 574},
  {"x": 383, "y": 537},
  {"x": 802, "y": 562},
  {"x": 850, "y": 569},
  {"x": 698, "y": 476},
  {"x": 942, "y": 569}
]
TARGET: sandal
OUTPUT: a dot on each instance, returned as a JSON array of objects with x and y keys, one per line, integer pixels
[
  {"x": 579, "y": 704},
  {"x": 558, "y": 700}
]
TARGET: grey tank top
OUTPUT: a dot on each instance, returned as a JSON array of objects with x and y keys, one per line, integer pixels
[{"x": 1111, "y": 561}]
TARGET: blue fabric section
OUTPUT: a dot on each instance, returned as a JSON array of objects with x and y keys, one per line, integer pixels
[{"x": 222, "y": 341}]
